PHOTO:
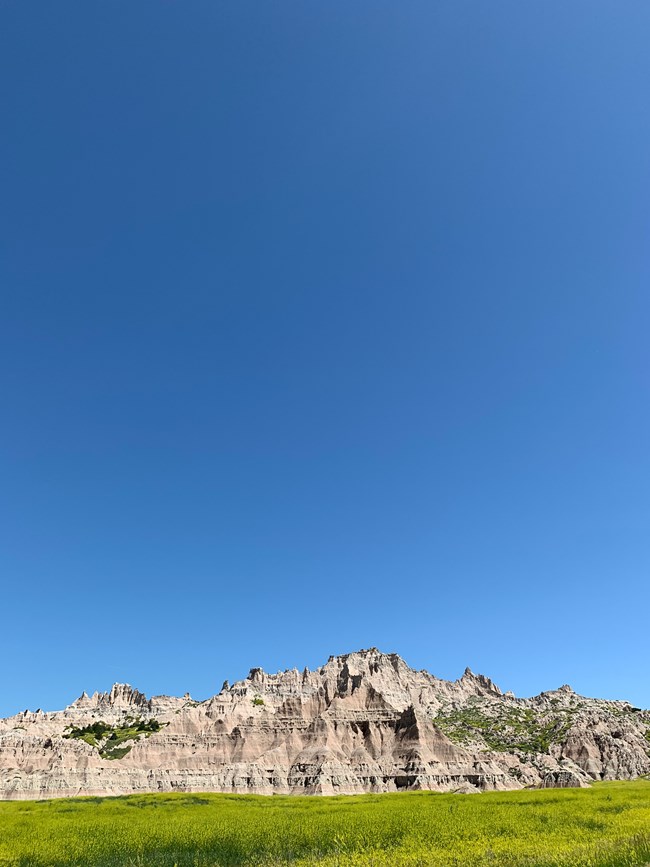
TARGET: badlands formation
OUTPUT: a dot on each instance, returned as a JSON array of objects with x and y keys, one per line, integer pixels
[{"x": 363, "y": 722}]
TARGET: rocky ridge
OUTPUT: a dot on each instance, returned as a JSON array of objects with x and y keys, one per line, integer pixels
[{"x": 363, "y": 722}]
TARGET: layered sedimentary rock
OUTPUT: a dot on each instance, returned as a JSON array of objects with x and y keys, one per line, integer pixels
[{"x": 363, "y": 722}]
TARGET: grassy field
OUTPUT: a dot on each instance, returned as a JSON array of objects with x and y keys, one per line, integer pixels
[{"x": 606, "y": 826}]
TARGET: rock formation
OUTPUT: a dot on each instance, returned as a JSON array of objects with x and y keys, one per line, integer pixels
[{"x": 363, "y": 722}]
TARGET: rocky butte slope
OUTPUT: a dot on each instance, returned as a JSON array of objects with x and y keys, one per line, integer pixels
[{"x": 363, "y": 722}]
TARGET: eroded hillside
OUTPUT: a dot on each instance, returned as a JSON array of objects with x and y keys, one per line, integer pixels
[{"x": 363, "y": 722}]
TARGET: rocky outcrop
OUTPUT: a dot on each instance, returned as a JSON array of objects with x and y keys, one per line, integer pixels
[
  {"x": 121, "y": 697},
  {"x": 363, "y": 722}
]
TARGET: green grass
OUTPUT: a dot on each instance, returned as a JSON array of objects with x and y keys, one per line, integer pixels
[{"x": 605, "y": 826}]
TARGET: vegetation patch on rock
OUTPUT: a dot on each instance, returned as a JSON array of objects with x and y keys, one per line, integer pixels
[
  {"x": 507, "y": 728},
  {"x": 113, "y": 741}
]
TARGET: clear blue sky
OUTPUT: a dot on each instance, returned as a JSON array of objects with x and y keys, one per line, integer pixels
[{"x": 323, "y": 325}]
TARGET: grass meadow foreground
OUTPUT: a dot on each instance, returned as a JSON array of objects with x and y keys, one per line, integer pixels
[{"x": 605, "y": 826}]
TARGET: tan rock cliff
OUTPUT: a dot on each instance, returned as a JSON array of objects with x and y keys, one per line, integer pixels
[{"x": 363, "y": 722}]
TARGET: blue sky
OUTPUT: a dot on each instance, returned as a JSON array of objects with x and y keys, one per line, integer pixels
[{"x": 323, "y": 326}]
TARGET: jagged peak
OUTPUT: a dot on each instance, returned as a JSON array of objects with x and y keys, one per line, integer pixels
[
  {"x": 479, "y": 681},
  {"x": 370, "y": 656},
  {"x": 364, "y": 653},
  {"x": 386, "y": 674},
  {"x": 366, "y": 656},
  {"x": 119, "y": 694}
]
